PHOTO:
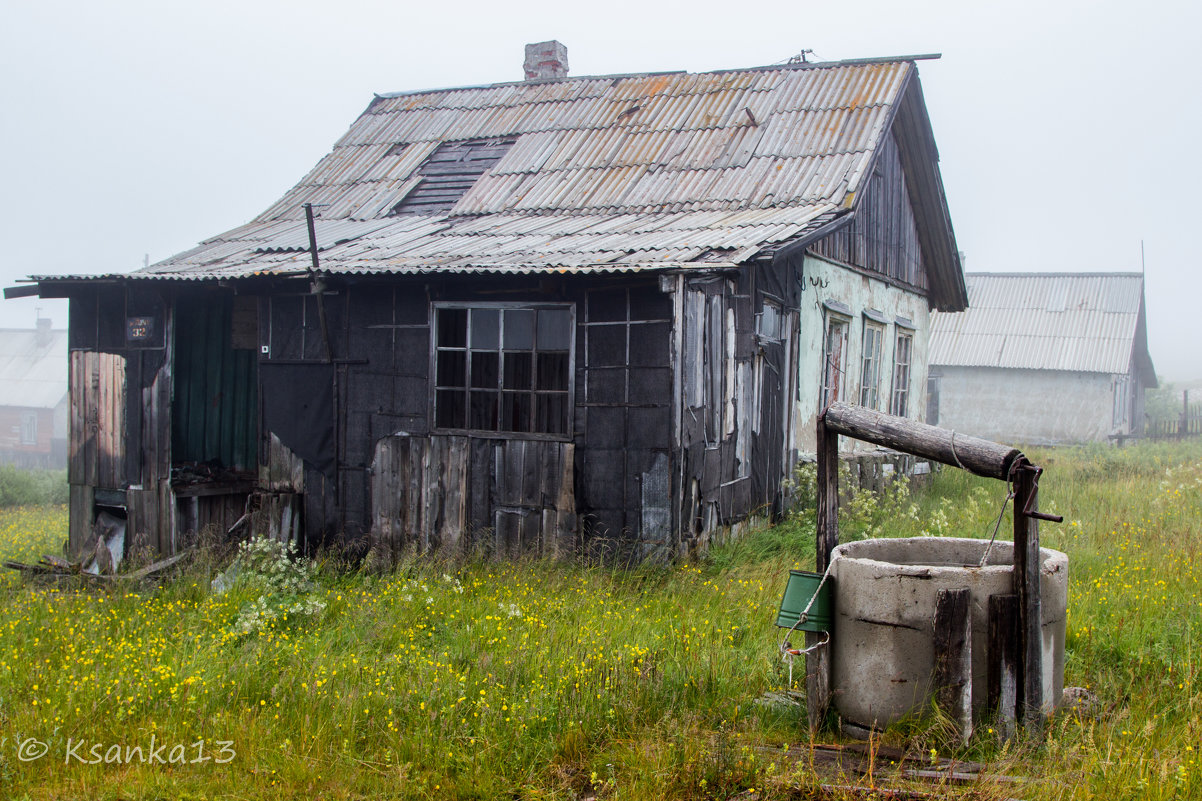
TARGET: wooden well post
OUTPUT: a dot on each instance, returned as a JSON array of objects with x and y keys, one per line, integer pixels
[{"x": 1021, "y": 698}]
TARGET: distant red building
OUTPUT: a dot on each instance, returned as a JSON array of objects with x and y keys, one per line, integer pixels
[{"x": 33, "y": 397}]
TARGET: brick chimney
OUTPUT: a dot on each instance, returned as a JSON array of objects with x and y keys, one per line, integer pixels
[{"x": 546, "y": 60}]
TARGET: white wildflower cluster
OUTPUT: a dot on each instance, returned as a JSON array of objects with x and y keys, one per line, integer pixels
[
  {"x": 414, "y": 588},
  {"x": 284, "y": 584},
  {"x": 513, "y": 610},
  {"x": 456, "y": 585},
  {"x": 261, "y": 615}
]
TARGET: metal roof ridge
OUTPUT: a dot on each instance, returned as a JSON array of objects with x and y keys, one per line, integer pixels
[
  {"x": 804, "y": 65},
  {"x": 1089, "y": 274}
]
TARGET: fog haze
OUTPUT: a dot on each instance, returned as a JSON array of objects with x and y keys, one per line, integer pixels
[{"x": 135, "y": 129}]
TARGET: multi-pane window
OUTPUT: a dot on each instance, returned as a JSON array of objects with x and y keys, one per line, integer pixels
[
  {"x": 900, "y": 403},
  {"x": 29, "y": 428},
  {"x": 1122, "y": 401},
  {"x": 500, "y": 368},
  {"x": 834, "y": 362},
  {"x": 870, "y": 365}
]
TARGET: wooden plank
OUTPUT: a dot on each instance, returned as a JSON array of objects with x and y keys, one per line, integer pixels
[
  {"x": 480, "y": 489},
  {"x": 169, "y": 524},
  {"x": 79, "y": 527},
  {"x": 104, "y": 415},
  {"x": 1026, "y": 587},
  {"x": 91, "y": 416},
  {"x": 818, "y": 662},
  {"x": 110, "y": 472},
  {"x": 953, "y": 657},
  {"x": 818, "y": 679},
  {"x": 565, "y": 504},
  {"x": 828, "y": 493},
  {"x": 978, "y": 456},
  {"x": 1003, "y": 658},
  {"x": 77, "y": 432}
]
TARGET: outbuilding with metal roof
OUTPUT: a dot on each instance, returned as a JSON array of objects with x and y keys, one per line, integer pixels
[{"x": 1043, "y": 358}]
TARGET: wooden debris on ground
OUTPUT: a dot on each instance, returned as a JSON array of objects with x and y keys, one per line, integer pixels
[
  {"x": 56, "y": 568},
  {"x": 889, "y": 772}
]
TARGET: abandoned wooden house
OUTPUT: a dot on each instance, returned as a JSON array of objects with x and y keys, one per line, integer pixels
[
  {"x": 554, "y": 315},
  {"x": 1043, "y": 359}
]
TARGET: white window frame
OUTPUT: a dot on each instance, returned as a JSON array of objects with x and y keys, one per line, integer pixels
[
  {"x": 903, "y": 361},
  {"x": 870, "y": 363},
  {"x": 834, "y": 373}
]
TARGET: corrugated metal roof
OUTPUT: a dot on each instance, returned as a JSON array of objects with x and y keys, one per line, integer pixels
[
  {"x": 613, "y": 172},
  {"x": 1081, "y": 322},
  {"x": 627, "y": 172},
  {"x": 33, "y": 369}
]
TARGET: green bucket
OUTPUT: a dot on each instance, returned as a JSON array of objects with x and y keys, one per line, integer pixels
[{"x": 798, "y": 592}]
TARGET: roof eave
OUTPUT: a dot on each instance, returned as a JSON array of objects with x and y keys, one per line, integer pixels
[{"x": 920, "y": 163}]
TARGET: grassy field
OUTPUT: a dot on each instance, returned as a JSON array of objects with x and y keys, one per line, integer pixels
[{"x": 539, "y": 680}]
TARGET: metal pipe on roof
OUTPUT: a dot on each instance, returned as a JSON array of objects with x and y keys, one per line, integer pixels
[{"x": 318, "y": 284}]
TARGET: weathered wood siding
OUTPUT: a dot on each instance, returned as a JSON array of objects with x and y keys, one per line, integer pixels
[
  {"x": 455, "y": 494},
  {"x": 96, "y": 447},
  {"x": 883, "y": 237},
  {"x": 734, "y": 408}
]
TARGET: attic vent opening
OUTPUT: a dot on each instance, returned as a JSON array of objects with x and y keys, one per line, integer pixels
[{"x": 449, "y": 172}]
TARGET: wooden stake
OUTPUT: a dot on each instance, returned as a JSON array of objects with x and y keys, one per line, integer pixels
[
  {"x": 818, "y": 662},
  {"x": 953, "y": 657},
  {"x": 1026, "y": 587},
  {"x": 1003, "y": 659}
]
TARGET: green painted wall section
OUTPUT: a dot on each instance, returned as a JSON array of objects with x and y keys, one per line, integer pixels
[{"x": 216, "y": 406}]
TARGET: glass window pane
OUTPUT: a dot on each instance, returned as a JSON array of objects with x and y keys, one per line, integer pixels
[
  {"x": 486, "y": 328},
  {"x": 515, "y": 411},
  {"x": 518, "y": 370},
  {"x": 552, "y": 413},
  {"x": 484, "y": 369},
  {"x": 483, "y": 411},
  {"x": 553, "y": 371},
  {"x": 519, "y": 329},
  {"x": 452, "y": 328},
  {"x": 452, "y": 368},
  {"x": 554, "y": 329},
  {"x": 451, "y": 409}
]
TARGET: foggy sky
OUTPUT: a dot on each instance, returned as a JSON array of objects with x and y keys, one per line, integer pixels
[{"x": 1067, "y": 130}]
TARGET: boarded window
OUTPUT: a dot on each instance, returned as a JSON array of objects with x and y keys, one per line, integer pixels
[
  {"x": 900, "y": 403},
  {"x": 449, "y": 172},
  {"x": 870, "y": 365},
  {"x": 501, "y": 368},
  {"x": 834, "y": 362}
]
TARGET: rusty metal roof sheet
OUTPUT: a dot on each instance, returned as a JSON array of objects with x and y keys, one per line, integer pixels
[
  {"x": 1080, "y": 322},
  {"x": 613, "y": 172}
]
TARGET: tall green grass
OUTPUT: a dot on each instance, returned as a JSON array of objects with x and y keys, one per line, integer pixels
[{"x": 545, "y": 680}]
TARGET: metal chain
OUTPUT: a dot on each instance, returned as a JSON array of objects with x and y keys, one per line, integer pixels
[{"x": 1001, "y": 512}]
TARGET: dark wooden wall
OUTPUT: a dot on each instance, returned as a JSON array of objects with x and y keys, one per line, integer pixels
[
  {"x": 678, "y": 427},
  {"x": 624, "y": 420}
]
